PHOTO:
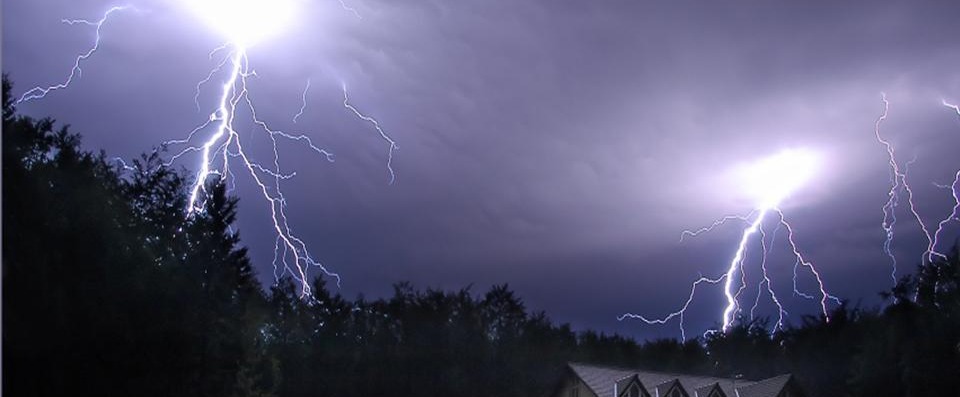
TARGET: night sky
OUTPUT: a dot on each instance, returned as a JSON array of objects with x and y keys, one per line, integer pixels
[{"x": 560, "y": 146}]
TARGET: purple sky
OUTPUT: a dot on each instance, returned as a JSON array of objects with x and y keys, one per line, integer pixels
[{"x": 559, "y": 146}]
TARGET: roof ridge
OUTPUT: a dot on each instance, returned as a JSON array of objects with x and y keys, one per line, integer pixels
[
  {"x": 667, "y": 382},
  {"x": 671, "y": 374},
  {"x": 605, "y": 379},
  {"x": 766, "y": 380},
  {"x": 628, "y": 369},
  {"x": 708, "y": 385}
]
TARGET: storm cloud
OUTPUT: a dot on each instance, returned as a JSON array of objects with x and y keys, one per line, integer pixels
[{"x": 560, "y": 146}]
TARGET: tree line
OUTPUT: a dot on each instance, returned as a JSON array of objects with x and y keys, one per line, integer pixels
[{"x": 109, "y": 289}]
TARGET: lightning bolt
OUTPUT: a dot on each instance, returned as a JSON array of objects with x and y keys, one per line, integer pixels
[
  {"x": 956, "y": 109},
  {"x": 376, "y": 125},
  {"x": 765, "y": 248},
  {"x": 800, "y": 260},
  {"x": 732, "y": 293},
  {"x": 899, "y": 183},
  {"x": 122, "y": 164},
  {"x": 221, "y": 146},
  {"x": 769, "y": 181},
  {"x": 888, "y": 209},
  {"x": 213, "y": 72},
  {"x": 737, "y": 262},
  {"x": 76, "y": 71},
  {"x": 303, "y": 102},
  {"x": 350, "y": 9},
  {"x": 291, "y": 255},
  {"x": 679, "y": 313},
  {"x": 954, "y": 192},
  {"x": 719, "y": 222},
  {"x": 224, "y": 143}
]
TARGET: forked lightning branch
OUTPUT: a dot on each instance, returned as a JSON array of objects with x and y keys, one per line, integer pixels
[
  {"x": 768, "y": 181},
  {"x": 218, "y": 144}
]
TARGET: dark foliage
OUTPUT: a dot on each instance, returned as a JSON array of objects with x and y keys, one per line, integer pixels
[{"x": 111, "y": 289}]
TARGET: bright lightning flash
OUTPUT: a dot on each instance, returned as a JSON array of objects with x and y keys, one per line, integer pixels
[
  {"x": 244, "y": 23},
  {"x": 771, "y": 180},
  {"x": 768, "y": 182}
]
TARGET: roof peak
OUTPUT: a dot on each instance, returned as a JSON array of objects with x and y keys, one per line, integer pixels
[
  {"x": 604, "y": 380},
  {"x": 671, "y": 374}
]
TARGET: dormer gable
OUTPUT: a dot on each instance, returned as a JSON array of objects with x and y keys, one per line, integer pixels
[
  {"x": 712, "y": 390},
  {"x": 631, "y": 387},
  {"x": 671, "y": 388}
]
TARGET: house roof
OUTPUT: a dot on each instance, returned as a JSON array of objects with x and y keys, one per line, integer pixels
[
  {"x": 622, "y": 384},
  {"x": 766, "y": 387},
  {"x": 704, "y": 391},
  {"x": 664, "y": 388},
  {"x": 600, "y": 380}
]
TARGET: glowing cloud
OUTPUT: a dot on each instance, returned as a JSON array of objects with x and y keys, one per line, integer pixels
[
  {"x": 245, "y": 22},
  {"x": 771, "y": 180}
]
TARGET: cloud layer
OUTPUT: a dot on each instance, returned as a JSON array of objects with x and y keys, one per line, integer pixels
[{"x": 560, "y": 146}]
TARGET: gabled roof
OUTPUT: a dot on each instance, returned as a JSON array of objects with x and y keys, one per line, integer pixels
[
  {"x": 705, "y": 390},
  {"x": 766, "y": 387},
  {"x": 624, "y": 384},
  {"x": 666, "y": 388},
  {"x": 601, "y": 380}
]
